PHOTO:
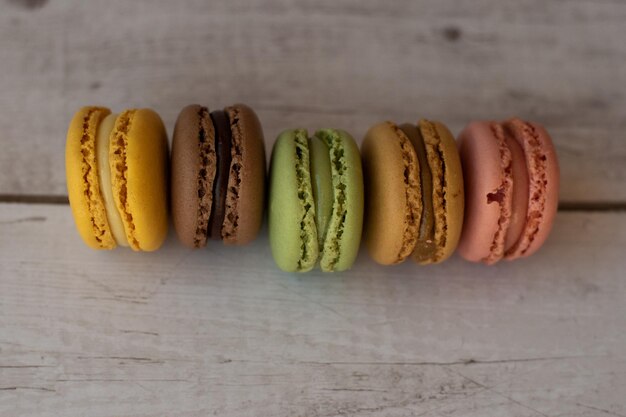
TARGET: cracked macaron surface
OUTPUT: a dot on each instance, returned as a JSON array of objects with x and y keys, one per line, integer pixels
[
  {"x": 292, "y": 229},
  {"x": 512, "y": 180},
  {"x": 137, "y": 158},
  {"x": 315, "y": 200},
  {"x": 245, "y": 198},
  {"x": 193, "y": 171},
  {"x": 447, "y": 188}
]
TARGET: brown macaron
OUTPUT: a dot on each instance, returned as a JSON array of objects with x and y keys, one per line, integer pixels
[{"x": 217, "y": 175}]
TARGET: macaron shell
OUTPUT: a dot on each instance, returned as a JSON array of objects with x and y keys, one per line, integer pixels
[
  {"x": 292, "y": 229},
  {"x": 480, "y": 160},
  {"x": 343, "y": 236},
  {"x": 245, "y": 199},
  {"x": 519, "y": 200},
  {"x": 82, "y": 178},
  {"x": 192, "y": 175},
  {"x": 138, "y": 158},
  {"x": 393, "y": 199},
  {"x": 540, "y": 218},
  {"x": 448, "y": 191}
]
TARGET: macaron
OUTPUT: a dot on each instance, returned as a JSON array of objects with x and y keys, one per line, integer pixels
[
  {"x": 217, "y": 175},
  {"x": 414, "y": 192},
  {"x": 315, "y": 200},
  {"x": 116, "y": 177},
  {"x": 512, "y": 189}
]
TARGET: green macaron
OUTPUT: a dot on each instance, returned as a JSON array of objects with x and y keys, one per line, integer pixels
[{"x": 315, "y": 200}]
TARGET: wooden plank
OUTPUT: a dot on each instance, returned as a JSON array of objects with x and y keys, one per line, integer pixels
[
  {"x": 347, "y": 64},
  {"x": 222, "y": 332}
]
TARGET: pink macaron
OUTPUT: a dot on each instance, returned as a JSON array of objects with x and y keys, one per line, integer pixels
[{"x": 511, "y": 176}]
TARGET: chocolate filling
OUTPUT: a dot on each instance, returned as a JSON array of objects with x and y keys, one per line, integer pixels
[{"x": 223, "y": 139}]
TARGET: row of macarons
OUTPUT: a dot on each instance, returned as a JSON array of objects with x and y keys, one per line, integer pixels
[{"x": 412, "y": 190}]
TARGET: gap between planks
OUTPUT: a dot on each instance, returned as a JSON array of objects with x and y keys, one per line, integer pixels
[{"x": 566, "y": 206}]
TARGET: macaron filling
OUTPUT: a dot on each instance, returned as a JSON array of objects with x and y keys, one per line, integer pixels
[
  {"x": 104, "y": 176},
  {"x": 439, "y": 171},
  {"x": 330, "y": 249},
  {"x": 206, "y": 177},
  {"x": 519, "y": 194},
  {"x": 425, "y": 248},
  {"x": 119, "y": 170},
  {"x": 413, "y": 190},
  {"x": 322, "y": 186},
  {"x": 223, "y": 138},
  {"x": 308, "y": 228}
]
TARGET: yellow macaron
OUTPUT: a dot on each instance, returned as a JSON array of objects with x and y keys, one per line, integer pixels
[{"x": 116, "y": 177}]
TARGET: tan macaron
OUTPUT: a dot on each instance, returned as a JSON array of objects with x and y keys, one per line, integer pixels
[{"x": 414, "y": 192}]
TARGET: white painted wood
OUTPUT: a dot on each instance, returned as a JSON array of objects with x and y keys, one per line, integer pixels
[
  {"x": 347, "y": 64},
  {"x": 222, "y": 332}
]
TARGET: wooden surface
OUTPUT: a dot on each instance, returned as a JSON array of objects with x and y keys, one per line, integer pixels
[
  {"x": 346, "y": 64},
  {"x": 221, "y": 331}
]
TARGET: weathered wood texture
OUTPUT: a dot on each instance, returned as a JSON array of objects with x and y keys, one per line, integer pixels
[
  {"x": 222, "y": 332},
  {"x": 347, "y": 64}
]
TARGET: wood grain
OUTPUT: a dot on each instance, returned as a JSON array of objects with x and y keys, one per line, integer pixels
[
  {"x": 222, "y": 332},
  {"x": 346, "y": 64}
]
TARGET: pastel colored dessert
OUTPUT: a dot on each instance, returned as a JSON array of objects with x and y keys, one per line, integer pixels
[
  {"x": 414, "y": 192},
  {"x": 315, "y": 200},
  {"x": 116, "y": 177},
  {"x": 217, "y": 175},
  {"x": 512, "y": 187}
]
